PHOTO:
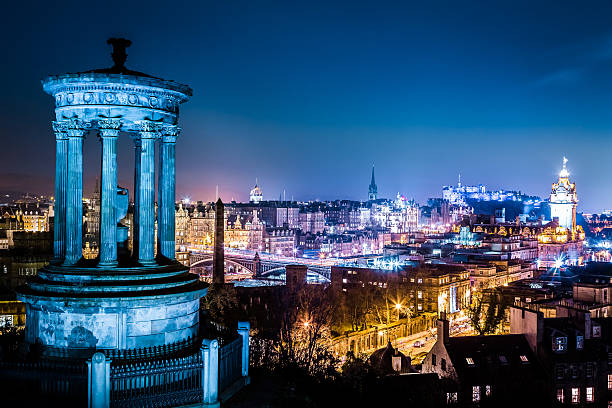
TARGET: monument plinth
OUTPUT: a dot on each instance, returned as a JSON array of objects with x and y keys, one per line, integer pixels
[{"x": 114, "y": 302}]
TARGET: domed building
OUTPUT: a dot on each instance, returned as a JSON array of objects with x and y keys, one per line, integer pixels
[{"x": 256, "y": 195}]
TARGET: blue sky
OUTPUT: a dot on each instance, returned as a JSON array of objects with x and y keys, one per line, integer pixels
[{"x": 307, "y": 96}]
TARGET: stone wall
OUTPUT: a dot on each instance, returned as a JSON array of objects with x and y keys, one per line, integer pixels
[{"x": 114, "y": 323}]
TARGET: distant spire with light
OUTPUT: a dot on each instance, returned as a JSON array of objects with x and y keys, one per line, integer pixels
[
  {"x": 563, "y": 200},
  {"x": 373, "y": 188},
  {"x": 564, "y": 173}
]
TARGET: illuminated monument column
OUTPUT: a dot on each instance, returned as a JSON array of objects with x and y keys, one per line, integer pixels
[
  {"x": 109, "y": 130},
  {"x": 74, "y": 197},
  {"x": 146, "y": 194},
  {"x": 166, "y": 185},
  {"x": 61, "y": 169}
]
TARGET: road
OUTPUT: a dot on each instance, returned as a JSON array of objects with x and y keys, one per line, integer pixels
[{"x": 418, "y": 345}]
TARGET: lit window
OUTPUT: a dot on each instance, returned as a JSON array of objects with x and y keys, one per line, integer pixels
[
  {"x": 488, "y": 390},
  {"x": 579, "y": 342},
  {"x": 451, "y": 397},
  {"x": 420, "y": 294},
  {"x": 589, "y": 394},
  {"x": 419, "y": 280},
  {"x": 344, "y": 280},
  {"x": 503, "y": 359},
  {"x": 420, "y": 306},
  {"x": 560, "y": 396},
  {"x": 524, "y": 359},
  {"x": 469, "y": 360},
  {"x": 575, "y": 395},
  {"x": 476, "y": 393},
  {"x": 559, "y": 344},
  {"x": 610, "y": 381}
]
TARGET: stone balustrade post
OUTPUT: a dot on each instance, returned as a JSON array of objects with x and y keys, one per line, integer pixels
[
  {"x": 210, "y": 372},
  {"x": 166, "y": 196},
  {"x": 76, "y": 131},
  {"x": 109, "y": 131},
  {"x": 146, "y": 193},
  {"x": 61, "y": 176},
  {"x": 243, "y": 331},
  {"x": 98, "y": 381}
]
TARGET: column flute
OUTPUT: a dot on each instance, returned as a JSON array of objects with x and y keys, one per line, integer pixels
[
  {"x": 149, "y": 132},
  {"x": 76, "y": 130},
  {"x": 108, "y": 132},
  {"x": 166, "y": 196},
  {"x": 61, "y": 170}
]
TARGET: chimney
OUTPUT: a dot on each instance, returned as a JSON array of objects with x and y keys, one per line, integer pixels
[
  {"x": 295, "y": 277},
  {"x": 588, "y": 326},
  {"x": 443, "y": 328},
  {"x": 219, "y": 255}
]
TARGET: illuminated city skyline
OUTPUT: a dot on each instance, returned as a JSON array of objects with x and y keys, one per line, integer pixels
[{"x": 306, "y": 98}]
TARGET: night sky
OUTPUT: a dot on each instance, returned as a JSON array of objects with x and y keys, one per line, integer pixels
[{"x": 307, "y": 97}]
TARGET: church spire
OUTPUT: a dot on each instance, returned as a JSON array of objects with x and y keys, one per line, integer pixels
[{"x": 373, "y": 188}]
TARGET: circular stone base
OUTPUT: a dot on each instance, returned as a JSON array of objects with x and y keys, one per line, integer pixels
[{"x": 81, "y": 308}]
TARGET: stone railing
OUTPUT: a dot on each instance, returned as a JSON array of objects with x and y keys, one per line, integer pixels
[
  {"x": 190, "y": 372},
  {"x": 194, "y": 371}
]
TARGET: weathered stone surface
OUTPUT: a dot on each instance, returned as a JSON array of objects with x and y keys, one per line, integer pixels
[
  {"x": 139, "y": 328},
  {"x": 187, "y": 321},
  {"x": 146, "y": 341},
  {"x": 146, "y": 314},
  {"x": 182, "y": 334},
  {"x": 180, "y": 309},
  {"x": 162, "y": 326}
]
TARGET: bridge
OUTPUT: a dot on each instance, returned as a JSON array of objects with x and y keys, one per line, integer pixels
[{"x": 260, "y": 265}]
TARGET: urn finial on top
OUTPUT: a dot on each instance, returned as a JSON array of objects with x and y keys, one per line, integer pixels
[{"x": 119, "y": 53}]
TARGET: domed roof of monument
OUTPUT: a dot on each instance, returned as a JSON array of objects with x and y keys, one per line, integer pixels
[{"x": 116, "y": 73}]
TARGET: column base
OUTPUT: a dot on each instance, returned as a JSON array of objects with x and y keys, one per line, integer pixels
[
  {"x": 70, "y": 263},
  {"x": 107, "y": 264},
  {"x": 150, "y": 262}
]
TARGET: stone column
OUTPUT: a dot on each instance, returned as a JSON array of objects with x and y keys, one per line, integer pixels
[
  {"x": 109, "y": 130},
  {"x": 74, "y": 197},
  {"x": 166, "y": 195},
  {"x": 146, "y": 194},
  {"x": 243, "y": 330},
  {"x": 137, "y": 150},
  {"x": 98, "y": 381},
  {"x": 210, "y": 372},
  {"x": 61, "y": 170}
]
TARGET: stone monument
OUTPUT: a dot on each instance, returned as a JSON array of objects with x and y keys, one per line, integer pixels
[{"x": 120, "y": 301}]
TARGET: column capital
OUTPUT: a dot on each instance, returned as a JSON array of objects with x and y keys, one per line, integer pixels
[
  {"x": 77, "y": 127},
  {"x": 109, "y": 127},
  {"x": 148, "y": 129},
  {"x": 169, "y": 133},
  {"x": 60, "y": 130}
]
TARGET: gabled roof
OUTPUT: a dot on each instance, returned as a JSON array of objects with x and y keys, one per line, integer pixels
[{"x": 484, "y": 358}]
